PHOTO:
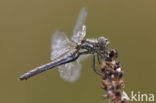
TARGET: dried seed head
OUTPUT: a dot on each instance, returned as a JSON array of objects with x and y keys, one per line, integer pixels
[
  {"x": 104, "y": 96},
  {"x": 103, "y": 65},
  {"x": 112, "y": 73}
]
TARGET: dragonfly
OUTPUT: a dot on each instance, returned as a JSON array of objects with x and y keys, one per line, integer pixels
[{"x": 67, "y": 54}]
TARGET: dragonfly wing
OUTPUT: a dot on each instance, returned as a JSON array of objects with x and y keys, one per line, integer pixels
[
  {"x": 60, "y": 45},
  {"x": 79, "y": 31},
  {"x": 61, "y": 48},
  {"x": 70, "y": 71},
  {"x": 83, "y": 57}
]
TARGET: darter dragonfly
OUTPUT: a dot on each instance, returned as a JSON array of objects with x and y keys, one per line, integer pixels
[{"x": 66, "y": 54}]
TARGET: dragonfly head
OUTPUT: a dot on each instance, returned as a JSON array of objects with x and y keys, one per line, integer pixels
[{"x": 103, "y": 42}]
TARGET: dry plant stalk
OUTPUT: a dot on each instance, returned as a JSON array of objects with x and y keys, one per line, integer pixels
[{"x": 112, "y": 82}]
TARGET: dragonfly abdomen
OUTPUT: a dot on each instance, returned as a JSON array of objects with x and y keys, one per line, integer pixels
[
  {"x": 37, "y": 71},
  {"x": 48, "y": 66}
]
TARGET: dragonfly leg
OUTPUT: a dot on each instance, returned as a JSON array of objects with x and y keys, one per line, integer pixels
[
  {"x": 93, "y": 66},
  {"x": 98, "y": 59}
]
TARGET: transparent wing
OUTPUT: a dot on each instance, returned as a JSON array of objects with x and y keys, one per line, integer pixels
[
  {"x": 83, "y": 57},
  {"x": 61, "y": 48},
  {"x": 79, "y": 31},
  {"x": 60, "y": 45},
  {"x": 70, "y": 71}
]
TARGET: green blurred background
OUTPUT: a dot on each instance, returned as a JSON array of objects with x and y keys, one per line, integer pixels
[{"x": 26, "y": 27}]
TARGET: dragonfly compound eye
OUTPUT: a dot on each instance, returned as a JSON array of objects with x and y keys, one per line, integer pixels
[{"x": 103, "y": 41}]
